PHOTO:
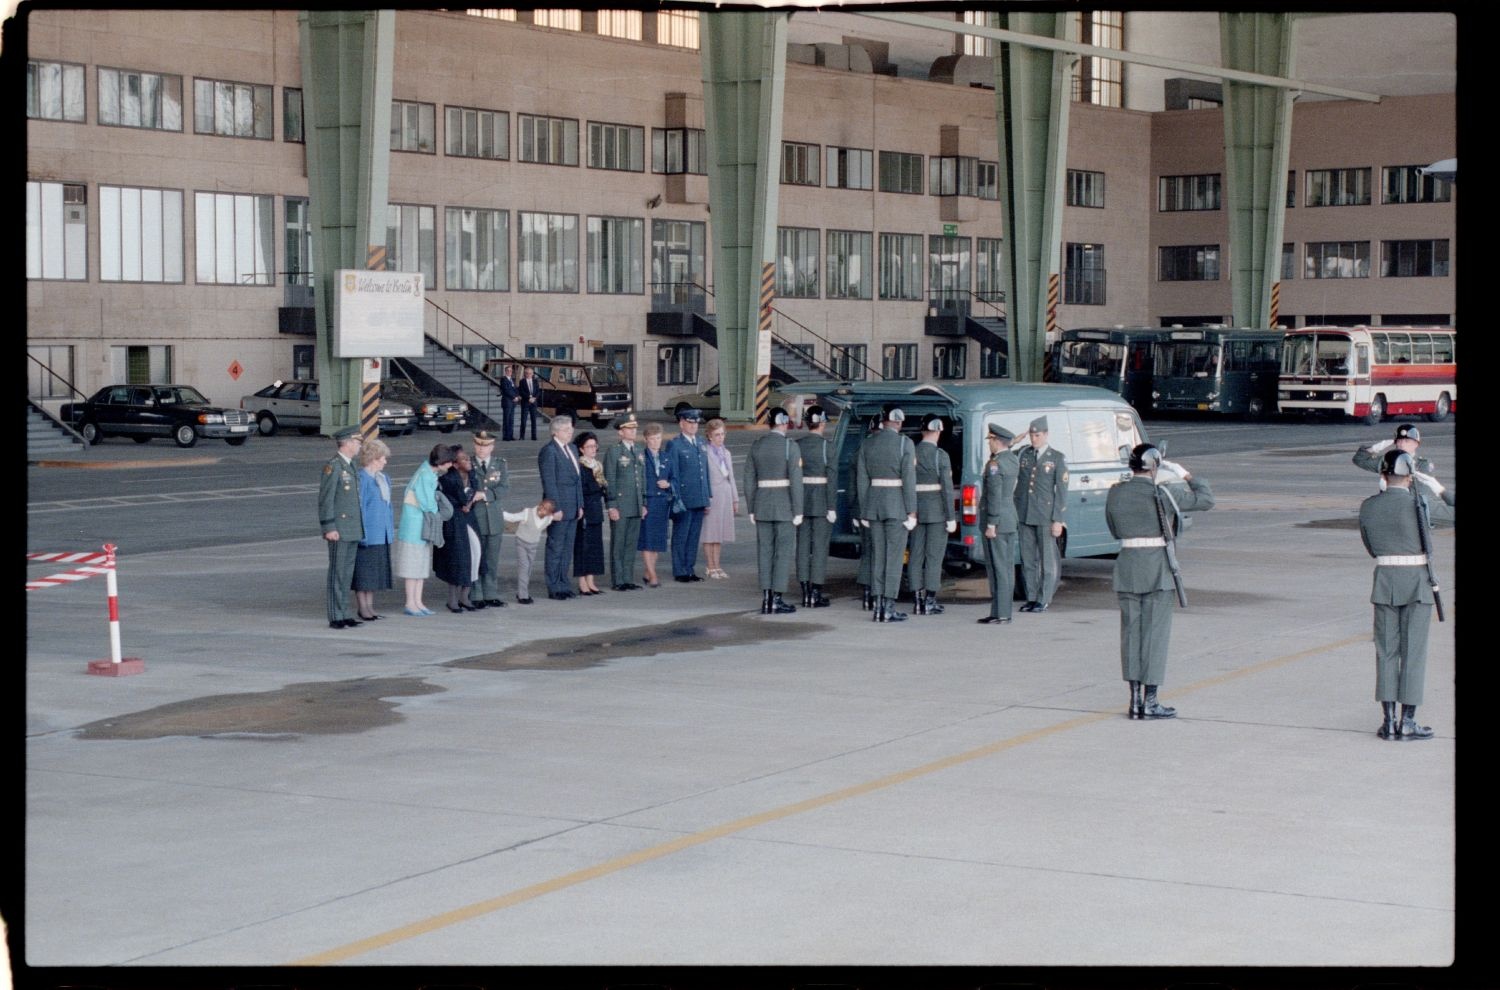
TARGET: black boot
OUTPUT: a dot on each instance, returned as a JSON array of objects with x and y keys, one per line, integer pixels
[
  {"x": 1409, "y": 727},
  {"x": 888, "y": 606},
  {"x": 867, "y": 600},
  {"x": 1151, "y": 708},
  {"x": 779, "y": 607},
  {"x": 815, "y": 597},
  {"x": 877, "y": 609},
  {"x": 1388, "y": 728},
  {"x": 931, "y": 605},
  {"x": 765, "y": 601},
  {"x": 918, "y": 603},
  {"x": 1137, "y": 706}
]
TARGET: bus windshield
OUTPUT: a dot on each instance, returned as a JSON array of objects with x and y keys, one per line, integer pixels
[
  {"x": 1096, "y": 359},
  {"x": 1315, "y": 354},
  {"x": 1187, "y": 359}
]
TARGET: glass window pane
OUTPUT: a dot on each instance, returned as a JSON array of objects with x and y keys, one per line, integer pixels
[{"x": 109, "y": 234}]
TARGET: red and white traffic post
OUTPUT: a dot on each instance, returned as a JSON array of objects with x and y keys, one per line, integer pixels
[{"x": 115, "y": 666}]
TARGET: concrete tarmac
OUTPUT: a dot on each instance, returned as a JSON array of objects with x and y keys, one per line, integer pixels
[{"x": 643, "y": 779}]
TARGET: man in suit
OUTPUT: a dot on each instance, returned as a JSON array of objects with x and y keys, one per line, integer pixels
[
  {"x": 342, "y": 522},
  {"x": 819, "y": 506},
  {"x": 886, "y": 476},
  {"x": 689, "y": 467},
  {"x": 625, "y": 498},
  {"x": 509, "y": 394},
  {"x": 1144, "y": 514},
  {"x": 1392, "y": 526},
  {"x": 529, "y": 391},
  {"x": 1041, "y": 508},
  {"x": 997, "y": 519},
  {"x": 773, "y": 495},
  {"x": 492, "y": 481},
  {"x": 935, "y": 518},
  {"x": 557, "y": 463}
]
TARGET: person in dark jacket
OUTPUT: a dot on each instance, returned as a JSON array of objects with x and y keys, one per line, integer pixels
[
  {"x": 997, "y": 520},
  {"x": 588, "y": 545},
  {"x": 557, "y": 463},
  {"x": 658, "y": 503},
  {"x": 457, "y": 561},
  {"x": 690, "y": 484},
  {"x": 372, "y": 563}
]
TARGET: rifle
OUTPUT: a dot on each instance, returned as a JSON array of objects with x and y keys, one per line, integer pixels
[
  {"x": 1166, "y": 533},
  {"x": 1424, "y": 530}
]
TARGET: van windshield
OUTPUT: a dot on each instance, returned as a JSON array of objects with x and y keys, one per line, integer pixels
[{"x": 605, "y": 376}]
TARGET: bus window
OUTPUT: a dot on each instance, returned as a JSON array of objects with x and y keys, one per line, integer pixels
[
  {"x": 1183, "y": 360},
  {"x": 1442, "y": 348},
  {"x": 1382, "y": 348},
  {"x": 1362, "y": 356},
  {"x": 1421, "y": 348},
  {"x": 1400, "y": 348}
]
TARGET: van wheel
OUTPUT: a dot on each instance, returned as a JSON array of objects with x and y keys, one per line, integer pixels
[
  {"x": 1377, "y": 411},
  {"x": 1440, "y": 411}
]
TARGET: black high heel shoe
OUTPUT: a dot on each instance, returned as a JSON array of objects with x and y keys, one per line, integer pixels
[{"x": 456, "y": 609}]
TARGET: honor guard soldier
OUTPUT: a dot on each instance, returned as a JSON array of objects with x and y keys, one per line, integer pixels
[
  {"x": 773, "y": 495},
  {"x": 492, "y": 477},
  {"x": 935, "y": 518},
  {"x": 688, "y": 463},
  {"x": 862, "y": 574},
  {"x": 997, "y": 521},
  {"x": 1408, "y": 438},
  {"x": 1397, "y": 533},
  {"x": 1145, "y": 515},
  {"x": 886, "y": 476},
  {"x": 343, "y": 525},
  {"x": 819, "y": 507},
  {"x": 1041, "y": 508},
  {"x": 625, "y": 480}
]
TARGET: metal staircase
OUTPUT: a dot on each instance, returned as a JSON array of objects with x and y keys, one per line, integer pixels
[
  {"x": 45, "y": 435},
  {"x": 441, "y": 371}
]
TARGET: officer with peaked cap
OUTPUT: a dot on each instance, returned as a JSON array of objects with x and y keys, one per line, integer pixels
[
  {"x": 935, "y": 518},
  {"x": 1041, "y": 510},
  {"x": 492, "y": 478},
  {"x": 773, "y": 497},
  {"x": 819, "y": 507},
  {"x": 625, "y": 500},
  {"x": 342, "y": 522},
  {"x": 1407, "y": 439},
  {"x": 862, "y": 574},
  {"x": 886, "y": 476},
  {"x": 688, "y": 462},
  {"x": 997, "y": 521}
]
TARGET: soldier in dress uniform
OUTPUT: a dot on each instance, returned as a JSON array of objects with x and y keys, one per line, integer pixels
[
  {"x": 688, "y": 463},
  {"x": 935, "y": 518},
  {"x": 343, "y": 525},
  {"x": 492, "y": 478},
  {"x": 886, "y": 476},
  {"x": 1144, "y": 514},
  {"x": 625, "y": 482},
  {"x": 1408, "y": 438},
  {"x": 1041, "y": 507},
  {"x": 862, "y": 575},
  {"x": 819, "y": 507},
  {"x": 773, "y": 496},
  {"x": 997, "y": 520},
  {"x": 1392, "y": 525}
]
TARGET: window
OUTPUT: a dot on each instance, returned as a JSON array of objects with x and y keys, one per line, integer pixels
[
  {"x": 140, "y": 364},
  {"x": 471, "y": 133},
  {"x": 1288, "y": 261},
  {"x": 949, "y": 175},
  {"x": 548, "y": 140},
  {"x": 57, "y": 228},
  {"x": 620, "y": 24},
  {"x": 799, "y": 164},
  {"x": 900, "y": 172},
  {"x": 566, "y": 20},
  {"x": 679, "y": 150},
  {"x": 678, "y": 271},
  {"x": 1291, "y": 189},
  {"x": 291, "y": 115},
  {"x": 948, "y": 270},
  {"x": 616, "y": 247},
  {"x": 1085, "y": 188},
  {"x": 898, "y": 362},
  {"x": 411, "y": 240},
  {"x": 974, "y": 45},
  {"x": 1338, "y": 259},
  {"x": 549, "y": 352},
  {"x": 1190, "y": 263},
  {"x": 949, "y": 361},
  {"x": 678, "y": 28},
  {"x": 848, "y": 361},
  {"x": 231, "y": 109},
  {"x": 235, "y": 239},
  {"x": 140, "y": 99},
  {"x": 47, "y": 376},
  {"x": 621, "y": 147},
  {"x": 797, "y": 263},
  {"x": 140, "y": 234},
  {"x": 297, "y": 241},
  {"x": 850, "y": 267},
  {"x": 1188, "y": 192},
  {"x": 992, "y": 363},
  {"x": 1403, "y": 259},
  {"x": 901, "y": 266},
  {"x": 54, "y": 91},
  {"x": 988, "y": 284},
  {"x": 476, "y": 249},
  {"x": 414, "y": 127},
  {"x": 1406, "y": 184},
  {"x": 1338, "y": 187},
  {"x": 677, "y": 364},
  {"x": 1100, "y": 80},
  {"x": 1083, "y": 277},
  {"x": 851, "y": 168},
  {"x": 547, "y": 253}
]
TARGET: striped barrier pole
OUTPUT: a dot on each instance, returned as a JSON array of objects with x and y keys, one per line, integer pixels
[
  {"x": 369, "y": 392},
  {"x": 763, "y": 381},
  {"x": 115, "y": 666},
  {"x": 1049, "y": 373},
  {"x": 1275, "y": 305}
]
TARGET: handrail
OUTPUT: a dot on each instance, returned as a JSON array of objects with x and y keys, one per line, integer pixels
[
  {"x": 984, "y": 298},
  {"x": 71, "y": 387},
  {"x": 507, "y": 355},
  {"x": 832, "y": 347}
]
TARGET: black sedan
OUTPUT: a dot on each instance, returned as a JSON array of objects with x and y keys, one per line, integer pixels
[{"x": 145, "y": 411}]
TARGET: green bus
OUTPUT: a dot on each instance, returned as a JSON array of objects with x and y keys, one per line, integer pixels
[
  {"x": 1229, "y": 370},
  {"x": 1117, "y": 358}
]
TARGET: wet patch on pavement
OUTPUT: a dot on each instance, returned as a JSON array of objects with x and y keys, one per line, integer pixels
[
  {"x": 315, "y": 709},
  {"x": 704, "y": 632}
]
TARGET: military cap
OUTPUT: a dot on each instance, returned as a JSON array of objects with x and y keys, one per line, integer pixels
[
  {"x": 627, "y": 422},
  {"x": 685, "y": 410},
  {"x": 933, "y": 424},
  {"x": 1145, "y": 457},
  {"x": 776, "y": 415},
  {"x": 1039, "y": 425},
  {"x": 1397, "y": 463},
  {"x": 814, "y": 415},
  {"x": 347, "y": 433},
  {"x": 996, "y": 430},
  {"x": 1408, "y": 431},
  {"x": 891, "y": 413},
  {"x": 483, "y": 438}
]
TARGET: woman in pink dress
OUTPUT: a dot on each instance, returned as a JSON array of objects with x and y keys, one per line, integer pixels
[{"x": 718, "y": 521}]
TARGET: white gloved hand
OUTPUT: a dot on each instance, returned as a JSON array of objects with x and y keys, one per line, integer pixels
[
  {"x": 832, "y": 516},
  {"x": 796, "y": 520},
  {"x": 752, "y": 519},
  {"x": 951, "y": 525},
  {"x": 1429, "y": 481},
  {"x": 1170, "y": 471},
  {"x": 910, "y": 523},
  {"x": 1376, "y": 448},
  {"x": 865, "y": 523}
]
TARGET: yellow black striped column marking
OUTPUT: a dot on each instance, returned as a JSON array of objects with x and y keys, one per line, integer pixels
[{"x": 767, "y": 295}]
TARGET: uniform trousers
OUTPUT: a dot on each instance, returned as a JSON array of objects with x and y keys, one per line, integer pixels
[
  {"x": 1145, "y": 629},
  {"x": 1401, "y": 651},
  {"x": 488, "y": 585},
  {"x": 341, "y": 554},
  {"x": 812, "y": 548},
  {"x": 687, "y": 527},
  {"x": 887, "y": 547},
  {"x": 863, "y": 575},
  {"x": 1000, "y": 562},
  {"x": 1039, "y": 563},
  {"x": 559, "y": 560},
  {"x": 623, "y": 534},
  {"x": 775, "y": 546},
  {"x": 928, "y": 541},
  {"x": 525, "y": 558}
]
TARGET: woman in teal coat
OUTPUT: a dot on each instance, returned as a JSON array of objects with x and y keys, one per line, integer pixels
[{"x": 411, "y": 558}]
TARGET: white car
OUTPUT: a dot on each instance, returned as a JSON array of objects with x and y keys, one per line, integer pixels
[{"x": 295, "y": 404}]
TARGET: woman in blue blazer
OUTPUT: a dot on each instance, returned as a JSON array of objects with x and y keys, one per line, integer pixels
[{"x": 372, "y": 561}]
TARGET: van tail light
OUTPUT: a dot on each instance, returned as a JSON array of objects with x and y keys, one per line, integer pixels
[{"x": 969, "y": 504}]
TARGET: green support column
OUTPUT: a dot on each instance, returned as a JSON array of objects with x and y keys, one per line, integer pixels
[
  {"x": 1257, "y": 139},
  {"x": 744, "y": 71},
  {"x": 347, "y": 60},
  {"x": 1031, "y": 87}
]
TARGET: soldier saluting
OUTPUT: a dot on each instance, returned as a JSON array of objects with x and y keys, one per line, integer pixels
[
  {"x": 773, "y": 494},
  {"x": 1407, "y": 440},
  {"x": 1041, "y": 505},
  {"x": 997, "y": 516},
  {"x": 935, "y": 518},
  {"x": 886, "y": 476},
  {"x": 819, "y": 498}
]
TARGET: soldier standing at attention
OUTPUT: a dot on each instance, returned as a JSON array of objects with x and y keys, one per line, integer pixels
[
  {"x": 491, "y": 477},
  {"x": 1408, "y": 438},
  {"x": 886, "y": 476},
  {"x": 1041, "y": 503},
  {"x": 862, "y": 575},
  {"x": 997, "y": 519},
  {"x": 343, "y": 525},
  {"x": 1145, "y": 517},
  {"x": 625, "y": 482},
  {"x": 773, "y": 495},
  {"x": 688, "y": 466},
  {"x": 1395, "y": 531},
  {"x": 819, "y": 498},
  {"x": 935, "y": 518}
]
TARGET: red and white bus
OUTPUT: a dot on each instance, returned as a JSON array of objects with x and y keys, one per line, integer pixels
[{"x": 1370, "y": 372}]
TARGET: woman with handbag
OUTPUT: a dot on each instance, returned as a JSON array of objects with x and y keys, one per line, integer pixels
[{"x": 411, "y": 556}]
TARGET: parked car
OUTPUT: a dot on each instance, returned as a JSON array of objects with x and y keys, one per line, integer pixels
[
  {"x": 296, "y": 404},
  {"x": 439, "y": 412},
  {"x": 582, "y": 390},
  {"x": 709, "y": 402},
  {"x": 145, "y": 411}
]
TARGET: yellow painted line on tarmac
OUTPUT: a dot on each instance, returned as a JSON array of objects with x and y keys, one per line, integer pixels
[{"x": 480, "y": 908}]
